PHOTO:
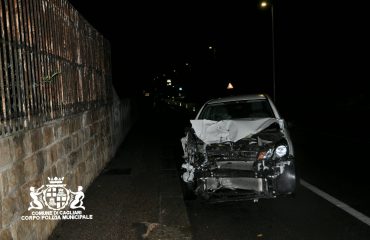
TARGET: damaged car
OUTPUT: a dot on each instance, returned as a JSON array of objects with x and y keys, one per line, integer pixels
[{"x": 238, "y": 148}]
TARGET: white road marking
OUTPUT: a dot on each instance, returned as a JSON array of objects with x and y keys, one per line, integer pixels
[{"x": 360, "y": 216}]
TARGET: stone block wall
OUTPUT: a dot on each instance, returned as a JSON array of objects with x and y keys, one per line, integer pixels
[{"x": 76, "y": 148}]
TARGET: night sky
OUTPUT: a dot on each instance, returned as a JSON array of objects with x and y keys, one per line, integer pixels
[{"x": 322, "y": 51}]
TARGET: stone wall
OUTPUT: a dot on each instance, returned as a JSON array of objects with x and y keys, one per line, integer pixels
[{"x": 76, "y": 148}]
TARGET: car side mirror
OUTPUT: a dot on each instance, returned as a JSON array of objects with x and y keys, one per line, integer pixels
[{"x": 287, "y": 124}]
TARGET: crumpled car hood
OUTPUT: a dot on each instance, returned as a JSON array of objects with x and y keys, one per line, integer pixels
[{"x": 229, "y": 130}]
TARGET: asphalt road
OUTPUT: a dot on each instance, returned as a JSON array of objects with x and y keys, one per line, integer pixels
[
  {"x": 149, "y": 192},
  {"x": 336, "y": 162},
  {"x": 307, "y": 216},
  {"x": 325, "y": 160},
  {"x": 138, "y": 194}
]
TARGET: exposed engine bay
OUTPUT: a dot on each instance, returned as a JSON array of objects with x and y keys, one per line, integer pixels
[{"x": 238, "y": 159}]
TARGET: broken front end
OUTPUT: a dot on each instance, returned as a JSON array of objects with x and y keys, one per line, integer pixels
[{"x": 260, "y": 165}]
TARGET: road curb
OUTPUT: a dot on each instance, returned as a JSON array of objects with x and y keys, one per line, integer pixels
[{"x": 173, "y": 217}]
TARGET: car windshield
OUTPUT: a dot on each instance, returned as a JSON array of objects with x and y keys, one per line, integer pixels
[{"x": 237, "y": 109}]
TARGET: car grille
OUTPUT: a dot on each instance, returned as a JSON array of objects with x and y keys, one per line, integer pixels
[{"x": 231, "y": 152}]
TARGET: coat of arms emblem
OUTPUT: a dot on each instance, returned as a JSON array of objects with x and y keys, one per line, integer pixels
[{"x": 56, "y": 196}]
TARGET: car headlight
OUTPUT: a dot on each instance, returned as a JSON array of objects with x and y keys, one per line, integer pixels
[{"x": 281, "y": 150}]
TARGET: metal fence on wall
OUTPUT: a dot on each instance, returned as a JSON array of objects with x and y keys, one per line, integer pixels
[{"x": 53, "y": 63}]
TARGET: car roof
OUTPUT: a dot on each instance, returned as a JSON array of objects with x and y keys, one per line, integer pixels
[{"x": 238, "y": 98}]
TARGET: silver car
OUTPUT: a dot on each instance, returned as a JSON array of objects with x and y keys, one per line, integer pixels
[{"x": 238, "y": 148}]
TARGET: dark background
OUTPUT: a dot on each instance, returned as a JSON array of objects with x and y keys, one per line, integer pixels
[
  {"x": 322, "y": 53},
  {"x": 322, "y": 59}
]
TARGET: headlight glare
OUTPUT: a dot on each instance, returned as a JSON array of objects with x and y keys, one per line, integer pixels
[{"x": 281, "y": 151}]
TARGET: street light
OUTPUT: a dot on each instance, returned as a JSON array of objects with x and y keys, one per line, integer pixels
[
  {"x": 264, "y": 4},
  {"x": 212, "y": 48}
]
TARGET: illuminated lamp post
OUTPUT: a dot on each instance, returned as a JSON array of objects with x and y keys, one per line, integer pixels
[{"x": 265, "y": 4}]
